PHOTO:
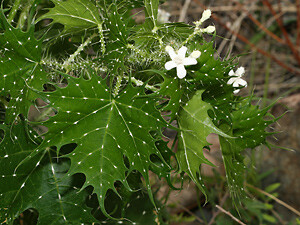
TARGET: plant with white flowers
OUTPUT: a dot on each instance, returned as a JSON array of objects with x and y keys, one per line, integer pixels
[
  {"x": 179, "y": 60},
  {"x": 86, "y": 98},
  {"x": 236, "y": 79}
]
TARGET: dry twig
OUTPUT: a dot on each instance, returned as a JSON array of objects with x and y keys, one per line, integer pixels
[
  {"x": 229, "y": 214},
  {"x": 283, "y": 30},
  {"x": 215, "y": 214},
  {"x": 275, "y": 199},
  {"x": 184, "y": 10},
  {"x": 259, "y": 24},
  {"x": 298, "y": 23},
  {"x": 191, "y": 213}
]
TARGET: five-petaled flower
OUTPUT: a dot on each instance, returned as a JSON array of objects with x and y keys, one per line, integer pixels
[
  {"x": 236, "y": 79},
  {"x": 179, "y": 60}
]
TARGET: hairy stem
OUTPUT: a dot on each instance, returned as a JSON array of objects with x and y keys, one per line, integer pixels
[
  {"x": 140, "y": 83},
  {"x": 197, "y": 30},
  {"x": 77, "y": 52},
  {"x": 24, "y": 14},
  {"x": 133, "y": 48},
  {"x": 102, "y": 42},
  {"x": 118, "y": 85},
  {"x": 13, "y": 11}
]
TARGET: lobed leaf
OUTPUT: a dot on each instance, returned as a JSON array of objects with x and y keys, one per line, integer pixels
[
  {"x": 195, "y": 126},
  {"x": 75, "y": 15},
  {"x": 20, "y": 55},
  {"x": 37, "y": 184},
  {"x": 106, "y": 129},
  {"x": 117, "y": 40},
  {"x": 249, "y": 124}
]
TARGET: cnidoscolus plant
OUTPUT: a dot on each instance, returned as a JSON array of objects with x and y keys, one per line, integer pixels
[{"x": 86, "y": 96}]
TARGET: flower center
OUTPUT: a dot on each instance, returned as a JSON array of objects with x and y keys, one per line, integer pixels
[{"x": 178, "y": 60}]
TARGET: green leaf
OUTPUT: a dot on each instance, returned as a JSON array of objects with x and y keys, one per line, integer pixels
[
  {"x": 20, "y": 55},
  {"x": 172, "y": 87},
  {"x": 139, "y": 210},
  {"x": 269, "y": 218},
  {"x": 134, "y": 207},
  {"x": 151, "y": 11},
  {"x": 117, "y": 35},
  {"x": 38, "y": 183},
  {"x": 272, "y": 187},
  {"x": 249, "y": 124},
  {"x": 195, "y": 126},
  {"x": 208, "y": 74},
  {"x": 234, "y": 166},
  {"x": 122, "y": 4},
  {"x": 75, "y": 15},
  {"x": 106, "y": 129}
]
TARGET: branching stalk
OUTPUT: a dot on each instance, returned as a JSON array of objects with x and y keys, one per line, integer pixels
[
  {"x": 78, "y": 51},
  {"x": 133, "y": 48},
  {"x": 140, "y": 83}
]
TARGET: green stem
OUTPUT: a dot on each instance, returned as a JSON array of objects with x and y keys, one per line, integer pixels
[
  {"x": 23, "y": 15},
  {"x": 77, "y": 52},
  {"x": 133, "y": 48},
  {"x": 13, "y": 11},
  {"x": 118, "y": 85},
  {"x": 102, "y": 42},
  {"x": 140, "y": 83},
  {"x": 197, "y": 30},
  {"x": 52, "y": 63}
]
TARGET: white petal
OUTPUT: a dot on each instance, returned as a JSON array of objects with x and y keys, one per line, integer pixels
[
  {"x": 182, "y": 51},
  {"x": 195, "y": 54},
  {"x": 240, "y": 71},
  {"x": 189, "y": 61},
  {"x": 236, "y": 91},
  {"x": 231, "y": 80},
  {"x": 170, "y": 65},
  {"x": 209, "y": 29},
  {"x": 181, "y": 72},
  {"x": 242, "y": 82},
  {"x": 235, "y": 83},
  {"x": 205, "y": 15},
  {"x": 231, "y": 73},
  {"x": 171, "y": 51}
]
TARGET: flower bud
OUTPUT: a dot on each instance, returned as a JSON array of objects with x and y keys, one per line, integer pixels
[
  {"x": 168, "y": 48},
  {"x": 205, "y": 15},
  {"x": 195, "y": 54},
  {"x": 209, "y": 29}
]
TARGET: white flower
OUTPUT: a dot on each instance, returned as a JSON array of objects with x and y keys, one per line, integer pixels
[
  {"x": 236, "y": 78},
  {"x": 179, "y": 60},
  {"x": 205, "y": 15},
  {"x": 209, "y": 29},
  {"x": 163, "y": 16}
]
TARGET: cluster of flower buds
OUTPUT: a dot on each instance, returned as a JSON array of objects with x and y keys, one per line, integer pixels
[{"x": 205, "y": 16}]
